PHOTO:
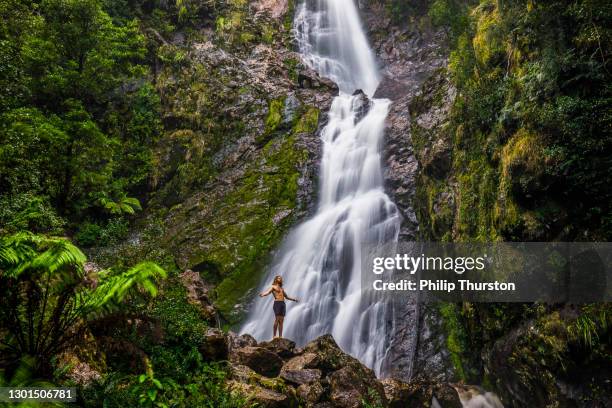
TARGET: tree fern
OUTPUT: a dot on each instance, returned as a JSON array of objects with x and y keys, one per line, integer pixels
[
  {"x": 44, "y": 299},
  {"x": 113, "y": 288}
]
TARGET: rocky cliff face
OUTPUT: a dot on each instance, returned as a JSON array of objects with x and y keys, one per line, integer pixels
[
  {"x": 237, "y": 165},
  {"x": 471, "y": 184},
  {"x": 411, "y": 53}
]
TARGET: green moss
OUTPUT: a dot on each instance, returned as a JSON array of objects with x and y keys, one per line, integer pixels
[
  {"x": 275, "y": 114},
  {"x": 487, "y": 41},
  {"x": 291, "y": 66},
  {"x": 455, "y": 336},
  {"x": 244, "y": 244},
  {"x": 288, "y": 22},
  {"x": 308, "y": 122}
]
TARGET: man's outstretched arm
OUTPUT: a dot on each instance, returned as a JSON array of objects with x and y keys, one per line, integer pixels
[
  {"x": 266, "y": 293},
  {"x": 289, "y": 298}
]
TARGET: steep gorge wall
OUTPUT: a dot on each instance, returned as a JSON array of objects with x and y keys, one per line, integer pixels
[
  {"x": 489, "y": 132},
  {"x": 237, "y": 164}
]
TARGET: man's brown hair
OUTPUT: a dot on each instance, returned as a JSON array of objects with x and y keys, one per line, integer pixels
[{"x": 278, "y": 280}]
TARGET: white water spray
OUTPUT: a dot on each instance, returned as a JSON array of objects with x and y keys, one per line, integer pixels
[{"x": 320, "y": 260}]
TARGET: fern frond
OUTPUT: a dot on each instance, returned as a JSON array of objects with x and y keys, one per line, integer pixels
[
  {"x": 125, "y": 208},
  {"x": 133, "y": 202},
  {"x": 112, "y": 289}
]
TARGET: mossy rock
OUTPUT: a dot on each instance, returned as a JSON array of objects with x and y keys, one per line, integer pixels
[
  {"x": 488, "y": 42},
  {"x": 523, "y": 165}
]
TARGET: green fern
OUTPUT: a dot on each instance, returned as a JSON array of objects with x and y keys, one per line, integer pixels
[
  {"x": 44, "y": 299},
  {"x": 123, "y": 205},
  {"x": 113, "y": 288}
]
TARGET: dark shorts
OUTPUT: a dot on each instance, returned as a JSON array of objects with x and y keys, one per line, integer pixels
[{"x": 279, "y": 308}]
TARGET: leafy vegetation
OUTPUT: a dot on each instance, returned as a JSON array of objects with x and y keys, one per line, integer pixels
[
  {"x": 46, "y": 296},
  {"x": 80, "y": 121},
  {"x": 528, "y": 138},
  {"x": 82, "y": 117},
  {"x": 530, "y": 129}
]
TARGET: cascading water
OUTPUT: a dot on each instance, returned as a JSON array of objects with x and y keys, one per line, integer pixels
[{"x": 320, "y": 260}]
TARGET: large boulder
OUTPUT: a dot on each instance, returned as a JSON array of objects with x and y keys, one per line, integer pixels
[
  {"x": 310, "y": 393},
  {"x": 300, "y": 369},
  {"x": 238, "y": 341},
  {"x": 303, "y": 376},
  {"x": 261, "y": 360},
  {"x": 306, "y": 360},
  {"x": 284, "y": 348},
  {"x": 350, "y": 381},
  {"x": 215, "y": 345},
  {"x": 261, "y": 396},
  {"x": 329, "y": 356},
  {"x": 350, "y": 386}
]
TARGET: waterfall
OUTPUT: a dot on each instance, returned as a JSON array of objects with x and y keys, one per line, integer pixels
[{"x": 320, "y": 260}]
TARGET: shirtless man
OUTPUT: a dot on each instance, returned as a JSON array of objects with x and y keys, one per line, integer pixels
[{"x": 279, "y": 303}]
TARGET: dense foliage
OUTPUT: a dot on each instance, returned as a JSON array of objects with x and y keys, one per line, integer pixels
[
  {"x": 79, "y": 118},
  {"x": 46, "y": 296},
  {"x": 530, "y": 129},
  {"x": 524, "y": 155}
]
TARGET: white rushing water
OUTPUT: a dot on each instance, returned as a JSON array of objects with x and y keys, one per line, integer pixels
[{"x": 320, "y": 260}]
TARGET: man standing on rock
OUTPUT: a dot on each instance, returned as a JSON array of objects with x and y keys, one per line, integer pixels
[{"x": 279, "y": 306}]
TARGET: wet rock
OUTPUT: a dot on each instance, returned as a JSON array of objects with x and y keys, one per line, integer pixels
[
  {"x": 350, "y": 382},
  {"x": 262, "y": 396},
  {"x": 361, "y": 105},
  {"x": 239, "y": 341},
  {"x": 284, "y": 348},
  {"x": 390, "y": 88},
  {"x": 325, "y": 376},
  {"x": 350, "y": 386},
  {"x": 447, "y": 396},
  {"x": 197, "y": 294},
  {"x": 310, "y": 79},
  {"x": 306, "y": 360},
  {"x": 432, "y": 359},
  {"x": 215, "y": 345},
  {"x": 396, "y": 392},
  {"x": 290, "y": 110},
  {"x": 329, "y": 356},
  {"x": 310, "y": 393},
  {"x": 303, "y": 376},
  {"x": 259, "y": 359}
]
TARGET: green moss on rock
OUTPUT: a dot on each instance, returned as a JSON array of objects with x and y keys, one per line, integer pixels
[
  {"x": 262, "y": 206},
  {"x": 308, "y": 122},
  {"x": 455, "y": 336},
  {"x": 275, "y": 114}
]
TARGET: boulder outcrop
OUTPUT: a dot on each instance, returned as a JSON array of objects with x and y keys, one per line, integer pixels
[{"x": 277, "y": 374}]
